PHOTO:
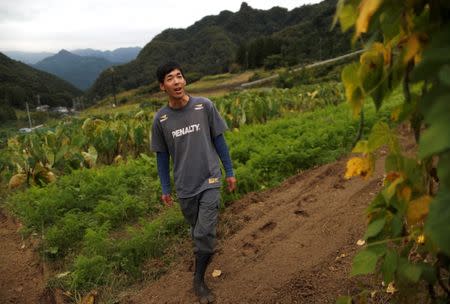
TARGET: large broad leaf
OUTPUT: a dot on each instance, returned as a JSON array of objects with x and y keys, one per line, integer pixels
[
  {"x": 367, "y": 9},
  {"x": 435, "y": 139},
  {"x": 390, "y": 20},
  {"x": 346, "y": 12},
  {"x": 375, "y": 228},
  {"x": 409, "y": 272},
  {"x": 353, "y": 91},
  {"x": 381, "y": 135},
  {"x": 437, "y": 227},
  {"x": 444, "y": 75},
  {"x": 390, "y": 190},
  {"x": 418, "y": 209},
  {"x": 434, "y": 56},
  {"x": 344, "y": 300},
  {"x": 364, "y": 262},
  {"x": 389, "y": 266}
]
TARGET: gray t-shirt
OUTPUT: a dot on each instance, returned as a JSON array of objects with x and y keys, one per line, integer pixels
[{"x": 187, "y": 135}]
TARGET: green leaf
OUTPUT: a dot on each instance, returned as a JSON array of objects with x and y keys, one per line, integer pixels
[
  {"x": 437, "y": 227},
  {"x": 390, "y": 20},
  {"x": 389, "y": 266},
  {"x": 390, "y": 190},
  {"x": 377, "y": 203},
  {"x": 444, "y": 75},
  {"x": 428, "y": 273},
  {"x": 408, "y": 271},
  {"x": 381, "y": 135},
  {"x": 362, "y": 146},
  {"x": 396, "y": 226},
  {"x": 351, "y": 83},
  {"x": 364, "y": 262},
  {"x": 443, "y": 170},
  {"x": 374, "y": 228},
  {"x": 347, "y": 14},
  {"x": 393, "y": 162},
  {"x": 344, "y": 300},
  {"x": 435, "y": 139},
  {"x": 378, "y": 249}
]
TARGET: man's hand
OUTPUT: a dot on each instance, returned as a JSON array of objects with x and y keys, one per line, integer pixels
[
  {"x": 167, "y": 200},
  {"x": 232, "y": 183}
]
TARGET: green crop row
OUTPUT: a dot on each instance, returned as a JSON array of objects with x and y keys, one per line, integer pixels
[{"x": 259, "y": 106}]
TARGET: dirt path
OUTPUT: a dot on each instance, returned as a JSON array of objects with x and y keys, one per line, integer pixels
[
  {"x": 293, "y": 244},
  {"x": 21, "y": 279}
]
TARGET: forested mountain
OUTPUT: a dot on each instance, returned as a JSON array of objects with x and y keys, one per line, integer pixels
[
  {"x": 249, "y": 38},
  {"x": 78, "y": 70},
  {"x": 20, "y": 83},
  {"x": 120, "y": 55}
]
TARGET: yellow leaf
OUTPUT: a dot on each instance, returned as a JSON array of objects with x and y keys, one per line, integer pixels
[
  {"x": 418, "y": 209},
  {"x": 391, "y": 288},
  {"x": 412, "y": 48},
  {"x": 118, "y": 159},
  {"x": 420, "y": 239},
  {"x": 17, "y": 180},
  {"x": 358, "y": 166},
  {"x": 89, "y": 298},
  {"x": 361, "y": 242},
  {"x": 216, "y": 273},
  {"x": 367, "y": 9},
  {"x": 49, "y": 177},
  {"x": 405, "y": 193},
  {"x": 391, "y": 176},
  {"x": 395, "y": 114}
]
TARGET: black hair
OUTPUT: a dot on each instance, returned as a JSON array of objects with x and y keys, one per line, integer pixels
[{"x": 166, "y": 68}]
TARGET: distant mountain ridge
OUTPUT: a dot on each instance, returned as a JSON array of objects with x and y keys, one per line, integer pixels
[
  {"x": 20, "y": 83},
  {"x": 211, "y": 45},
  {"x": 28, "y": 57},
  {"x": 120, "y": 55},
  {"x": 80, "y": 71}
]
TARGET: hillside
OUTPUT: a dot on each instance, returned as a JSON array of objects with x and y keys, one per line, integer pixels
[
  {"x": 220, "y": 37},
  {"x": 20, "y": 83},
  {"x": 80, "y": 71}
]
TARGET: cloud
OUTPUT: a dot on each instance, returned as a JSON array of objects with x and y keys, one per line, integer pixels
[{"x": 50, "y": 25}]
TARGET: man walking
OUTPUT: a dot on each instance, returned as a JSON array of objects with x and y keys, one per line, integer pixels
[{"x": 190, "y": 131}]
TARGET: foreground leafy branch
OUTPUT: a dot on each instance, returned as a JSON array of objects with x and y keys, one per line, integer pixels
[{"x": 408, "y": 234}]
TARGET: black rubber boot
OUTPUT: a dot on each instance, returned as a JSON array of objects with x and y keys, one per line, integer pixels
[{"x": 202, "y": 291}]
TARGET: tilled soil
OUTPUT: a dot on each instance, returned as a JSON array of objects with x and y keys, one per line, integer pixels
[
  {"x": 21, "y": 272},
  {"x": 291, "y": 244}
]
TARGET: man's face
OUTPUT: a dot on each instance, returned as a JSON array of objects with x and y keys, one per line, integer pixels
[{"x": 174, "y": 84}]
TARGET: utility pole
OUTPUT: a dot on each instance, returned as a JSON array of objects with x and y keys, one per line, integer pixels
[
  {"x": 320, "y": 48},
  {"x": 28, "y": 113},
  {"x": 113, "y": 86}
]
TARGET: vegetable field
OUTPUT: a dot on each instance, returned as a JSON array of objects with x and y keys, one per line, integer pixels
[{"x": 99, "y": 215}]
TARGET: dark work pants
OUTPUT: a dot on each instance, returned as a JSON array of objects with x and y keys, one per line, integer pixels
[{"x": 201, "y": 213}]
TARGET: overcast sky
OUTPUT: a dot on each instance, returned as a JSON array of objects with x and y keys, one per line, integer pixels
[{"x": 52, "y": 25}]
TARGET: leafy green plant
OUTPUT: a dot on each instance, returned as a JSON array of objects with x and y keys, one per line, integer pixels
[{"x": 408, "y": 236}]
